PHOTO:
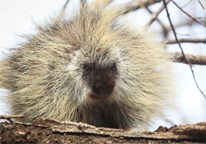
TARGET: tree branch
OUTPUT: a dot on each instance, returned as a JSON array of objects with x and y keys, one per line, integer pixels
[
  {"x": 136, "y": 4},
  {"x": 155, "y": 14},
  {"x": 193, "y": 59},
  {"x": 64, "y": 7},
  {"x": 168, "y": 15},
  {"x": 47, "y": 130},
  {"x": 188, "y": 14},
  {"x": 201, "y": 4},
  {"x": 187, "y": 41},
  {"x": 165, "y": 30},
  {"x": 187, "y": 4}
]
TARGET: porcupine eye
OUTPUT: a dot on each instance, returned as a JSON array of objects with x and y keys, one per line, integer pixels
[
  {"x": 88, "y": 67},
  {"x": 88, "y": 73},
  {"x": 114, "y": 69}
]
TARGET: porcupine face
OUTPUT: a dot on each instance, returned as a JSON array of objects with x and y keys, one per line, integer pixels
[{"x": 97, "y": 70}]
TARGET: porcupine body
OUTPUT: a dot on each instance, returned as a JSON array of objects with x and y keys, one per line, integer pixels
[{"x": 92, "y": 68}]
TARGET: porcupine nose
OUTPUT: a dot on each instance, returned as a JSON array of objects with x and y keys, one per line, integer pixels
[{"x": 103, "y": 83}]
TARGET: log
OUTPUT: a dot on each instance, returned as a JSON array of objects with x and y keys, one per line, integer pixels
[{"x": 45, "y": 130}]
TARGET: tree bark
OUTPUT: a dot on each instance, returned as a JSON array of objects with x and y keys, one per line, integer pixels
[{"x": 43, "y": 130}]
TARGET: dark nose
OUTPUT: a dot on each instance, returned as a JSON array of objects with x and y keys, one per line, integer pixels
[{"x": 103, "y": 83}]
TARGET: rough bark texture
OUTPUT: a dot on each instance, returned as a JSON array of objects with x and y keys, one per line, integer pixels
[{"x": 51, "y": 131}]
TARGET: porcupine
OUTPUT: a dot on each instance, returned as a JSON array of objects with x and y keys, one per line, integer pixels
[{"x": 94, "y": 68}]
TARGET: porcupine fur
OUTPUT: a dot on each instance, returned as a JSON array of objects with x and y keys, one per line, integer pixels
[{"x": 52, "y": 73}]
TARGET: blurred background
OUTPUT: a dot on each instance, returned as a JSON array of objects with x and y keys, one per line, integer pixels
[{"x": 18, "y": 17}]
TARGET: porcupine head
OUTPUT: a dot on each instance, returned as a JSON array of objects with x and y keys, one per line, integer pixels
[{"x": 93, "y": 67}]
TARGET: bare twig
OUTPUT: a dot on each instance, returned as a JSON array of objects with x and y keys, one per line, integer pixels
[
  {"x": 155, "y": 15},
  {"x": 184, "y": 22},
  {"x": 183, "y": 54},
  {"x": 165, "y": 30},
  {"x": 200, "y": 18},
  {"x": 63, "y": 10},
  {"x": 64, "y": 7},
  {"x": 193, "y": 59},
  {"x": 187, "y": 41},
  {"x": 201, "y": 4},
  {"x": 186, "y": 4},
  {"x": 182, "y": 34},
  {"x": 136, "y": 4},
  {"x": 188, "y": 14}
]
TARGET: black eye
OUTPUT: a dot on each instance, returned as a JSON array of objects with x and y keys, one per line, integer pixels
[
  {"x": 114, "y": 67},
  {"x": 87, "y": 67}
]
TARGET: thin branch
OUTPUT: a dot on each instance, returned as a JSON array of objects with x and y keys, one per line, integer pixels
[
  {"x": 165, "y": 30},
  {"x": 200, "y": 18},
  {"x": 64, "y": 7},
  {"x": 188, "y": 14},
  {"x": 187, "y": 41},
  {"x": 184, "y": 22},
  {"x": 186, "y": 4},
  {"x": 193, "y": 59},
  {"x": 182, "y": 34},
  {"x": 183, "y": 54},
  {"x": 136, "y": 4},
  {"x": 155, "y": 15},
  {"x": 63, "y": 10},
  {"x": 201, "y": 4}
]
